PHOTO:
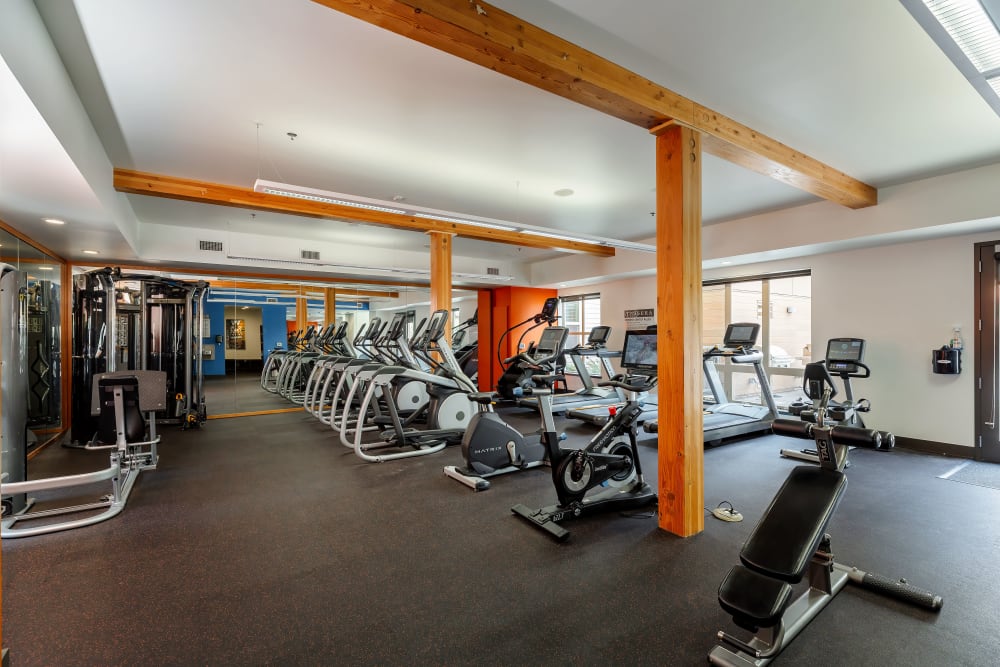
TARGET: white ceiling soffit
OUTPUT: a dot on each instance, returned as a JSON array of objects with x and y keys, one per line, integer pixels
[{"x": 857, "y": 85}]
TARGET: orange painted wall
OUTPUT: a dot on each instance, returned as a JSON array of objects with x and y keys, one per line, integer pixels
[{"x": 499, "y": 309}]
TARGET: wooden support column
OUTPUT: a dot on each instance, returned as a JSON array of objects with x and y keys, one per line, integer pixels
[
  {"x": 301, "y": 312},
  {"x": 329, "y": 306},
  {"x": 441, "y": 273},
  {"x": 678, "y": 318}
]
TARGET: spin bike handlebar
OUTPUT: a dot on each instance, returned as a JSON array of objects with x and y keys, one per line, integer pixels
[{"x": 636, "y": 383}]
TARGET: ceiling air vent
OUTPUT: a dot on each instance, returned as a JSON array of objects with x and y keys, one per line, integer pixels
[
  {"x": 271, "y": 299},
  {"x": 492, "y": 271},
  {"x": 310, "y": 254},
  {"x": 214, "y": 246}
]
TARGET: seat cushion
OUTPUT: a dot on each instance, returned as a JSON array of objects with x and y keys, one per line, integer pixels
[
  {"x": 792, "y": 526},
  {"x": 754, "y": 600}
]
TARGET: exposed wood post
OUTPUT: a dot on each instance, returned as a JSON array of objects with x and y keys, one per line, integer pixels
[
  {"x": 678, "y": 319},
  {"x": 441, "y": 274},
  {"x": 301, "y": 311},
  {"x": 329, "y": 306}
]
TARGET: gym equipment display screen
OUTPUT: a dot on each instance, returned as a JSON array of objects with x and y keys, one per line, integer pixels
[
  {"x": 845, "y": 349},
  {"x": 741, "y": 334},
  {"x": 639, "y": 352},
  {"x": 551, "y": 341},
  {"x": 599, "y": 335}
]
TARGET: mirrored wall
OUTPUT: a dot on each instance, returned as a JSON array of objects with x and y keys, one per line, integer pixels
[{"x": 43, "y": 294}]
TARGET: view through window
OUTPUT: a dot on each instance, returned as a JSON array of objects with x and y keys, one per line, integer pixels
[
  {"x": 580, "y": 314},
  {"x": 781, "y": 304}
]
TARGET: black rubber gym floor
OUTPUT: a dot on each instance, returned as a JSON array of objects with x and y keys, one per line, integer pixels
[{"x": 261, "y": 540}]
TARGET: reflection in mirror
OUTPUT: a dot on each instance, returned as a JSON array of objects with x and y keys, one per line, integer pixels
[{"x": 40, "y": 287}]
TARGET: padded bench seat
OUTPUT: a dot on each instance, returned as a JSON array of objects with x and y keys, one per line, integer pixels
[
  {"x": 781, "y": 546},
  {"x": 789, "y": 532},
  {"x": 755, "y": 601}
]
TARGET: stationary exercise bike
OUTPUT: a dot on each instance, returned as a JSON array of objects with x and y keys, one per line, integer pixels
[
  {"x": 493, "y": 447},
  {"x": 606, "y": 475},
  {"x": 845, "y": 359}
]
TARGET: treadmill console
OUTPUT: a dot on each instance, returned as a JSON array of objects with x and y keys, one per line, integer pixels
[
  {"x": 741, "y": 334},
  {"x": 844, "y": 354},
  {"x": 639, "y": 351},
  {"x": 598, "y": 336}
]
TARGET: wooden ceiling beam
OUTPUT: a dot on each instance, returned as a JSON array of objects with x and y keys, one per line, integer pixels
[
  {"x": 171, "y": 187},
  {"x": 487, "y": 36}
]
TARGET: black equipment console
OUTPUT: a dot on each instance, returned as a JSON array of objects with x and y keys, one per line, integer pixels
[
  {"x": 741, "y": 334},
  {"x": 599, "y": 336},
  {"x": 844, "y": 354},
  {"x": 639, "y": 351}
]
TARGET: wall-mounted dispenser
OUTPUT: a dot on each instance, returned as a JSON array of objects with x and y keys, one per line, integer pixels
[{"x": 947, "y": 360}]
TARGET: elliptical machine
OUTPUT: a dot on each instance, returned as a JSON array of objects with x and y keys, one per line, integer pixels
[
  {"x": 493, "y": 447},
  {"x": 606, "y": 475},
  {"x": 845, "y": 359}
]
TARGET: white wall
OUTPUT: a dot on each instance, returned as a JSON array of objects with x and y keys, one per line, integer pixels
[{"x": 904, "y": 299}]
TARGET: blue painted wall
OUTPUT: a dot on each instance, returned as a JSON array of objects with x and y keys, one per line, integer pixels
[
  {"x": 275, "y": 329},
  {"x": 216, "y": 366}
]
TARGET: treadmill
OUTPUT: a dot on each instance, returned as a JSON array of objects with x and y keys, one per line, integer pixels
[
  {"x": 589, "y": 395},
  {"x": 725, "y": 419}
]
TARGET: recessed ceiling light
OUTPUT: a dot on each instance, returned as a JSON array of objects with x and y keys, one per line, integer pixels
[
  {"x": 54, "y": 221},
  {"x": 726, "y": 263},
  {"x": 563, "y": 192},
  {"x": 89, "y": 252}
]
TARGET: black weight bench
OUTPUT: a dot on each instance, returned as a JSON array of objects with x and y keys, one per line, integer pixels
[{"x": 790, "y": 540}]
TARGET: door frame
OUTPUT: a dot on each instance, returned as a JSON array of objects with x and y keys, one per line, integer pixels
[{"x": 987, "y": 351}]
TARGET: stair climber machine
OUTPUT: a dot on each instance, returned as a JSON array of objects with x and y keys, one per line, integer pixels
[
  {"x": 493, "y": 447},
  {"x": 513, "y": 376},
  {"x": 590, "y": 395},
  {"x": 449, "y": 408},
  {"x": 789, "y": 541},
  {"x": 845, "y": 359},
  {"x": 606, "y": 475}
]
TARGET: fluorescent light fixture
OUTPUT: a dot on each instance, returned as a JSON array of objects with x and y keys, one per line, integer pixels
[
  {"x": 54, "y": 221},
  {"x": 45, "y": 268},
  {"x": 965, "y": 31},
  {"x": 967, "y": 22},
  {"x": 322, "y": 196},
  {"x": 89, "y": 252},
  {"x": 463, "y": 221}
]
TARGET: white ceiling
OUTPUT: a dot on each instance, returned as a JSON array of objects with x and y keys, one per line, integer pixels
[{"x": 179, "y": 87}]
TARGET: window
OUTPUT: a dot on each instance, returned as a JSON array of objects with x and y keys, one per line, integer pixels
[
  {"x": 781, "y": 304},
  {"x": 580, "y": 313}
]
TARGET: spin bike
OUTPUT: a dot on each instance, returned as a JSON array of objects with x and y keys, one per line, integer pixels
[
  {"x": 606, "y": 475},
  {"x": 493, "y": 447}
]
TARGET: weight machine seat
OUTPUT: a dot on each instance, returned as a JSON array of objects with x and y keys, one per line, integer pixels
[
  {"x": 753, "y": 600},
  {"x": 135, "y": 425},
  {"x": 781, "y": 546},
  {"x": 789, "y": 532}
]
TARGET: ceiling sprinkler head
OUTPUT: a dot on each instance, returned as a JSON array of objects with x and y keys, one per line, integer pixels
[{"x": 291, "y": 135}]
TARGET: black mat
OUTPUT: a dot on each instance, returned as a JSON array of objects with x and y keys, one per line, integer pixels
[
  {"x": 976, "y": 473},
  {"x": 262, "y": 540}
]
